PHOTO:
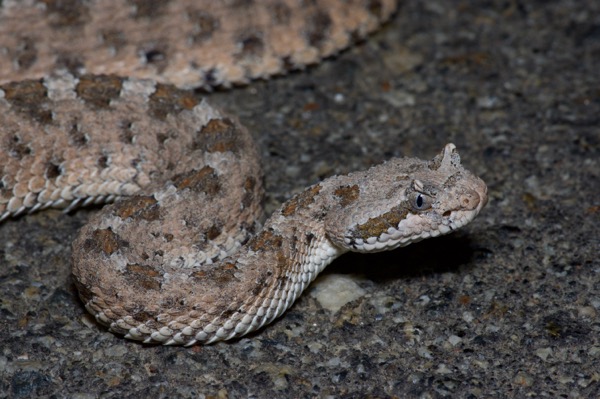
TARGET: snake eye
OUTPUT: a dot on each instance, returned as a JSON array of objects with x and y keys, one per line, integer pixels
[{"x": 420, "y": 202}]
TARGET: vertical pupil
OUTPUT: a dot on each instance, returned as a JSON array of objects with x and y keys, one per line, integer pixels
[{"x": 419, "y": 201}]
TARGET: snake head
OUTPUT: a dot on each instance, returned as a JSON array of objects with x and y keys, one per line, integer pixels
[{"x": 404, "y": 200}]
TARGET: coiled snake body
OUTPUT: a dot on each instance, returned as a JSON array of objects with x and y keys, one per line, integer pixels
[{"x": 180, "y": 258}]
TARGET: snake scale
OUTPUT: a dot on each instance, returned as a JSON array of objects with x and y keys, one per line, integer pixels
[{"x": 90, "y": 113}]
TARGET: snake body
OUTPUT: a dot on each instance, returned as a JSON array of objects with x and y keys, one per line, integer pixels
[
  {"x": 188, "y": 43},
  {"x": 180, "y": 257}
]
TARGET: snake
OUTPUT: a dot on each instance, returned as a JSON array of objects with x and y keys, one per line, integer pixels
[{"x": 95, "y": 108}]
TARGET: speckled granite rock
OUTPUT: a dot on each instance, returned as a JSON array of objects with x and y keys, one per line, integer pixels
[{"x": 507, "y": 307}]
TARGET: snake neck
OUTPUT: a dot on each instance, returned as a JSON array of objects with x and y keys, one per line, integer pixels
[{"x": 281, "y": 261}]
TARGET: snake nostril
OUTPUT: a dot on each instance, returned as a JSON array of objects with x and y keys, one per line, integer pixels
[{"x": 470, "y": 200}]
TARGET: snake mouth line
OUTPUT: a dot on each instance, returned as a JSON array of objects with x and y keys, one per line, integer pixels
[{"x": 401, "y": 235}]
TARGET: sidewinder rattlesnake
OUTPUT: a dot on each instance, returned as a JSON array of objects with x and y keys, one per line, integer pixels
[{"x": 88, "y": 115}]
